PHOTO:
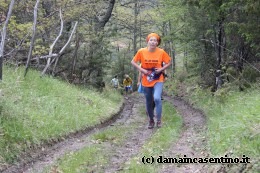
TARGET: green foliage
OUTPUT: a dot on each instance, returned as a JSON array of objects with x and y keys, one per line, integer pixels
[
  {"x": 222, "y": 94},
  {"x": 251, "y": 74},
  {"x": 121, "y": 66},
  {"x": 181, "y": 76},
  {"x": 198, "y": 23},
  {"x": 89, "y": 16}
]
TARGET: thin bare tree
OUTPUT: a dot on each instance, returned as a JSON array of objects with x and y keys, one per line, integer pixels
[
  {"x": 55, "y": 56},
  {"x": 33, "y": 37},
  {"x": 56, "y": 59},
  {"x": 53, "y": 44},
  {"x": 3, "y": 35}
]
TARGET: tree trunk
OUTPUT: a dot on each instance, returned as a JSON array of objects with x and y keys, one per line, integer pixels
[
  {"x": 172, "y": 52},
  {"x": 185, "y": 59},
  {"x": 47, "y": 6},
  {"x": 100, "y": 23},
  {"x": 33, "y": 37},
  {"x": 219, "y": 52},
  {"x": 56, "y": 56},
  {"x": 135, "y": 41},
  {"x": 3, "y": 35},
  {"x": 75, "y": 54}
]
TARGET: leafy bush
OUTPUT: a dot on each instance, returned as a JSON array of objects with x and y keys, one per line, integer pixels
[
  {"x": 181, "y": 76},
  {"x": 250, "y": 74}
]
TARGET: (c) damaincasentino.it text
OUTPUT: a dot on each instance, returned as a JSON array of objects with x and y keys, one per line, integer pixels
[{"x": 185, "y": 159}]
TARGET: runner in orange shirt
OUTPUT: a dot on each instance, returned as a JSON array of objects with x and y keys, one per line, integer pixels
[{"x": 151, "y": 59}]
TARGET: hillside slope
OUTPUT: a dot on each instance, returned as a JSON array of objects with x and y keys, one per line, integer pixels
[{"x": 35, "y": 111}]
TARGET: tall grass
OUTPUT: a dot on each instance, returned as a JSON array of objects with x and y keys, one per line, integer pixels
[
  {"x": 233, "y": 121},
  {"x": 35, "y": 110}
]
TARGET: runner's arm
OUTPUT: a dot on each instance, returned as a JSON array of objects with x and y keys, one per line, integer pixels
[
  {"x": 139, "y": 78},
  {"x": 139, "y": 68},
  {"x": 159, "y": 70}
]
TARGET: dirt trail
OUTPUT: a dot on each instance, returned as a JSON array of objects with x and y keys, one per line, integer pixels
[
  {"x": 191, "y": 142},
  {"x": 135, "y": 140}
]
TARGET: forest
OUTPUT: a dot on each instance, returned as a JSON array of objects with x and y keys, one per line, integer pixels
[
  {"x": 85, "y": 42},
  {"x": 57, "y": 59}
]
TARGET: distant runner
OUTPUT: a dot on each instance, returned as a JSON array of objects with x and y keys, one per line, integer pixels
[
  {"x": 127, "y": 84},
  {"x": 115, "y": 82}
]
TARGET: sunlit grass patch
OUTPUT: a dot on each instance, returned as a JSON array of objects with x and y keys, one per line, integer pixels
[
  {"x": 35, "y": 110},
  {"x": 77, "y": 162}
]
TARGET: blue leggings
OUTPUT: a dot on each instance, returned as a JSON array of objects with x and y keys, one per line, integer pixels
[{"x": 154, "y": 93}]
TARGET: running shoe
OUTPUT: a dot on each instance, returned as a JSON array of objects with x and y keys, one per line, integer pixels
[{"x": 151, "y": 124}]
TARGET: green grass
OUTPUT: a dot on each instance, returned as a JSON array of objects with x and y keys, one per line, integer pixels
[
  {"x": 86, "y": 160},
  {"x": 35, "y": 110},
  {"x": 233, "y": 121},
  {"x": 159, "y": 142}
]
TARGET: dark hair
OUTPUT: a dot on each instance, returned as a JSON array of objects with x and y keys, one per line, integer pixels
[
  {"x": 115, "y": 76},
  {"x": 159, "y": 41}
]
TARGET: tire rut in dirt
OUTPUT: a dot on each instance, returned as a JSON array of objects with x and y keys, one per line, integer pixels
[
  {"x": 135, "y": 140},
  {"x": 192, "y": 141}
]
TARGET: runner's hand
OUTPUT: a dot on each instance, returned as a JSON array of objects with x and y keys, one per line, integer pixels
[
  {"x": 158, "y": 70},
  {"x": 146, "y": 72}
]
